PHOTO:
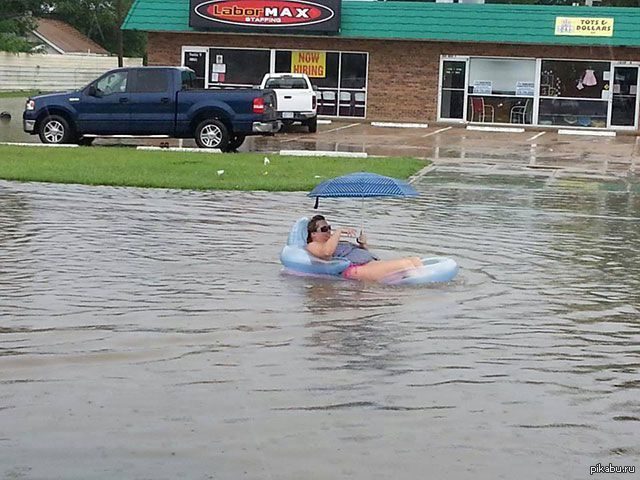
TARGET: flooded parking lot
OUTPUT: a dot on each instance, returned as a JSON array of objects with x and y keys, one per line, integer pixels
[{"x": 150, "y": 334}]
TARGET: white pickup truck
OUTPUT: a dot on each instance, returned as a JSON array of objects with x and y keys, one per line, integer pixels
[{"x": 296, "y": 98}]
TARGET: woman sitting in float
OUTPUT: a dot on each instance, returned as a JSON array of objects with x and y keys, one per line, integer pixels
[{"x": 324, "y": 243}]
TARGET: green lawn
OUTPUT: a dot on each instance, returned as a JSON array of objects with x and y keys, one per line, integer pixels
[
  {"x": 23, "y": 93},
  {"x": 242, "y": 171}
]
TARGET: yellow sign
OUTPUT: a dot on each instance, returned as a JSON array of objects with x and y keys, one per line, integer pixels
[
  {"x": 314, "y": 64},
  {"x": 584, "y": 27}
]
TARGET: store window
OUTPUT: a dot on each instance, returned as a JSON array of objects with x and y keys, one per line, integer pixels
[
  {"x": 341, "y": 77},
  {"x": 353, "y": 71},
  {"x": 574, "y": 93},
  {"x": 237, "y": 67},
  {"x": 501, "y": 90},
  {"x": 342, "y": 82}
]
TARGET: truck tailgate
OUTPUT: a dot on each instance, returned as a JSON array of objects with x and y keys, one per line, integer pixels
[{"x": 294, "y": 100}]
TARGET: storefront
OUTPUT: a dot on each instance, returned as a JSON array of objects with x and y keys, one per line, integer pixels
[
  {"x": 414, "y": 61},
  {"x": 341, "y": 77},
  {"x": 538, "y": 91}
]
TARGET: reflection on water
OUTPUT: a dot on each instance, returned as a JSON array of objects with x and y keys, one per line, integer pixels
[{"x": 150, "y": 334}]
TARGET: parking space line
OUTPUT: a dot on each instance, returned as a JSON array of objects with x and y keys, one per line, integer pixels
[
  {"x": 537, "y": 135},
  {"x": 300, "y": 137},
  {"x": 437, "y": 131},
  {"x": 340, "y": 128}
]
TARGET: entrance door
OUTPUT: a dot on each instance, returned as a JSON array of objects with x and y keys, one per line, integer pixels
[
  {"x": 196, "y": 59},
  {"x": 624, "y": 96},
  {"x": 453, "y": 79}
]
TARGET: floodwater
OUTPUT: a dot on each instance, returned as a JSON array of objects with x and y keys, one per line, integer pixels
[
  {"x": 11, "y": 131},
  {"x": 149, "y": 334}
]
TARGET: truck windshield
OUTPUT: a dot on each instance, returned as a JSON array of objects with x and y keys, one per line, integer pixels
[{"x": 287, "y": 83}]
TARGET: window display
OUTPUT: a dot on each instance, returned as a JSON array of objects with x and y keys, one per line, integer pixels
[
  {"x": 237, "y": 67},
  {"x": 501, "y": 90},
  {"x": 574, "y": 79}
]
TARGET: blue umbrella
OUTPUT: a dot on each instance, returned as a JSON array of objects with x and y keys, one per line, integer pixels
[{"x": 361, "y": 185}]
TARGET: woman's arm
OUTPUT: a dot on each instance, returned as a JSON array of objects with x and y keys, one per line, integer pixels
[{"x": 326, "y": 250}]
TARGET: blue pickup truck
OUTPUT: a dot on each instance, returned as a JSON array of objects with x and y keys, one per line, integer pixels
[{"x": 152, "y": 101}]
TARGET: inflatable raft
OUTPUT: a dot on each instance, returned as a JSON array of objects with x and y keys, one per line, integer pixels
[{"x": 296, "y": 260}]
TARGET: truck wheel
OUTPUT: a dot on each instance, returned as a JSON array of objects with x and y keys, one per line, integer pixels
[
  {"x": 54, "y": 130},
  {"x": 312, "y": 123},
  {"x": 212, "y": 133},
  {"x": 235, "y": 143}
]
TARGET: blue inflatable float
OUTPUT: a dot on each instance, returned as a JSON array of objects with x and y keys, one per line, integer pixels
[{"x": 298, "y": 261}]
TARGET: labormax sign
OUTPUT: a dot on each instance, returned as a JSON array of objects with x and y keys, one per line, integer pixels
[{"x": 266, "y": 15}]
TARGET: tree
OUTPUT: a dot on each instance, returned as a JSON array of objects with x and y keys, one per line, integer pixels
[
  {"x": 99, "y": 20},
  {"x": 16, "y": 21}
]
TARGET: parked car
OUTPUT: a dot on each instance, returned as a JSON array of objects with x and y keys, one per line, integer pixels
[
  {"x": 152, "y": 101},
  {"x": 297, "y": 100}
]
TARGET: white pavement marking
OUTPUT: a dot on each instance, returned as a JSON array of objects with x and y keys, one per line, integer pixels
[
  {"x": 537, "y": 135},
  {"x": 52, "y": 145},
  {"x": 422, "y": 173},
  {"x": 321, "y": 153},
  {"x": 495, "y": 129},
  {"x": 91, "y": 135},
  {"x": 437, "y": 131},
  {"x": 399, "y": 125},
  {"x": 178, "y": 149},
  {"x": 598, "y": 133},
  {"x": 299, "y": 137},
  {"x": 340, "y": 128}
]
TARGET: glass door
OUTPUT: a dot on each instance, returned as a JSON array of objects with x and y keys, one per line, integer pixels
[
  {"x": 196, "y": 59},
  {"x": 453, "y": 92},
  {"x": 624, "y": 96}
]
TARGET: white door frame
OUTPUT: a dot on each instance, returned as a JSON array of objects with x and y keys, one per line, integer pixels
[
  {"x": 453, "y": 58},
  {"x": 610, "y": 100},
  {"x": 186, "y": 48}
]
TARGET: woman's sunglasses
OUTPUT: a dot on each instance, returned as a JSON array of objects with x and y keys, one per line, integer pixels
[{"x": 325, "y": 229}]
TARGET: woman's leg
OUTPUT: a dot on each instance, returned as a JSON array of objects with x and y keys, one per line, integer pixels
[{"x": 377, "y": 270}]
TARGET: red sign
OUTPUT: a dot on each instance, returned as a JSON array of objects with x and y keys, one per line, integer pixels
[{"x": 264, "y": 13}]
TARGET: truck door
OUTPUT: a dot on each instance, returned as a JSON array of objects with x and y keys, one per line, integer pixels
[
  {"x": 152, "y": 102},
  {"x": 103, "y": 107}
]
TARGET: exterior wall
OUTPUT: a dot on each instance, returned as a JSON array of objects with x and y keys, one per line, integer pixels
[
  {"x": 403, "y": 75},
  {"x": 50, "y": 73}
]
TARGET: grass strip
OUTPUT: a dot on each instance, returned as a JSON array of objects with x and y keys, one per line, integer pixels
[
  {"x": 121, "y": 166},
  {"x": 19, "y": 94}
]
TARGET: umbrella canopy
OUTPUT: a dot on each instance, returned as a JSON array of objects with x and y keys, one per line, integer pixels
[{"x": 361, "y": 185}]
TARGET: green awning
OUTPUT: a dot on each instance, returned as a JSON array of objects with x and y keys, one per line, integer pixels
[{"x": 494, "y": 23}]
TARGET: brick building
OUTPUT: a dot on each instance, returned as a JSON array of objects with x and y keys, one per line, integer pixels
[{"x": 414, "y": 61}]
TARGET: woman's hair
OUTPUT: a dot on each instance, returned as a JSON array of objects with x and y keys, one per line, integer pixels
[{"x": 312, "y": 226}]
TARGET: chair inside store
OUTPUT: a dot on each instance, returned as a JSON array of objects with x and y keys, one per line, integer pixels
[
  {"x": 346, "y": 104},
  {"x": 327, "y": 102},
  {"x": 481, "y": 112},
  {"x": 519, "y": 113}
]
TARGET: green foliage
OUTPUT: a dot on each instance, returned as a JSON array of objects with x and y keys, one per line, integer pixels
[
  {"x": 242, "y": 171},
  {"x": 10, "y": 42},
  {"x": 16, "y": 20},
  {"x": 100, "y": 20}
]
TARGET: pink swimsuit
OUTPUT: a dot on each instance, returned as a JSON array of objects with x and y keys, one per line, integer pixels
[{"x": 351, "y": 270}]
